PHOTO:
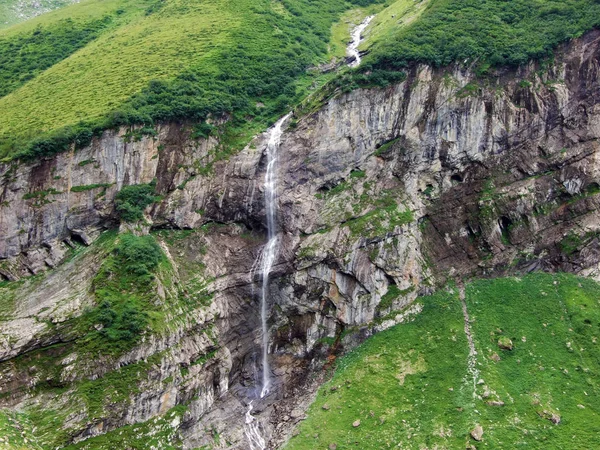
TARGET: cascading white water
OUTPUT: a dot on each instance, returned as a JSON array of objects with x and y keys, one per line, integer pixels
[
  {"x": 253, "y": 431},
  {"x": 356, "y": 40},
  {"x": 252, "y": 426},
  {"x": 267, "y": 262},
  {"x": 270, "y": 250}
]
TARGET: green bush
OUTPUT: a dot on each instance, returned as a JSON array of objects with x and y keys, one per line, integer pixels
[
  {"x": 58, "y": 141},
  {"x": 377, "y": 77},
  {"x": 202, "y": 130},
  {"x": 131, "y": 201},
  {"x": 139, "y": 255},
  {"x": 121, "y": 324},
  {"x": 90, "y": 187}
]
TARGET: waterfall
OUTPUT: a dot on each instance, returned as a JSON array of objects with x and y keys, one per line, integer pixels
[
  {"x": 252, "y": 427},
  {"x": 270, "y": 250},
  {"x": 355, "y": 42}
]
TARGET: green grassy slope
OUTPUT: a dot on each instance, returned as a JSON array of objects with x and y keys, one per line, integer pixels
[
  {"x": 410, "y": 386},
  {"x": 111, "y": 69},
  {"x": 393, "y": 17},
  {"x": 26, "y": 50},
  {"x": 554, "y": 323},
  {"x": 26, "y": 55},
  {"x": 69, "y": 74},
  {"x": 15, "y": 432},
  {"x": 491, "y": 32},
  {"x": 169, "y": 60}
]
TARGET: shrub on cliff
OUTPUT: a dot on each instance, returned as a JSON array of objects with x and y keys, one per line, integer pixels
[
  {"x": 121, "y": 324},
  {"x": 139, "y": 255},
  {"x": 131, "y": 201},
  {"x": 126, "y": 302}
]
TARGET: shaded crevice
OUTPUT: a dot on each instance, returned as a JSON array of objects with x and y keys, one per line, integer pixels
[
  {"x": 456, "y": 178},
  {"x": 390, "y": 280}
]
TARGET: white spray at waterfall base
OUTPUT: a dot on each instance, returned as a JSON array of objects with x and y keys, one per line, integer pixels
[
  {"x": 267, "y": 258},
  {"x": 352, "y": 50}
]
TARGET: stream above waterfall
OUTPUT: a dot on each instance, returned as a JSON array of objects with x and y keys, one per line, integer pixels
[{"x": 356, "y": 39}]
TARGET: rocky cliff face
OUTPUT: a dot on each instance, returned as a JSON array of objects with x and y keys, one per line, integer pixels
[{"x": 383, "y": 195}]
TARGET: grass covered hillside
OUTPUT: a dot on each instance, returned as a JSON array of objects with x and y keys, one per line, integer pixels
[
  {"x": 101, "y": 64},
  {"x": 490, "y": 32},
  {"x": 67, "y": 75},
  {"x": 533, "y": 382}
]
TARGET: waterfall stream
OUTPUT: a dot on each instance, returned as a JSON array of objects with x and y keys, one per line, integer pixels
[
  {"x": 356, "y": 40},
  {"x": 266, "y": 259},
  {"x": 270, "y": 250},
  {"x": 253, "y": 431},
  {"x": 252, "y": 427}
]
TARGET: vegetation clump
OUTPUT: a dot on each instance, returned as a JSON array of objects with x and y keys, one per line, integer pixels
[
  {"x": 138, "y": 255},
  {"x": 90, "y": 187},
  {"x": 393, "y": 293},
  {"x": 131, "y": 201},
  {"x": 380, "y": 221},
  {"x": 125, "y": 303}
]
